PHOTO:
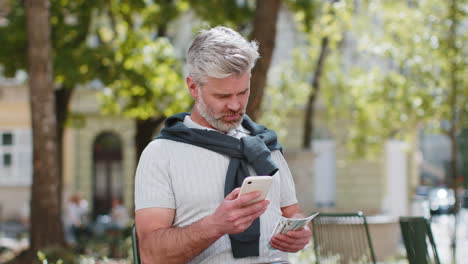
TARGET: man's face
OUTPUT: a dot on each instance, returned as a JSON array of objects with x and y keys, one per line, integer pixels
[{"x": 222, "y": 102}]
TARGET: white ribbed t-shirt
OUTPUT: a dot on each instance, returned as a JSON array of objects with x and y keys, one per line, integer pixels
[{"x": 190, "y": 179}]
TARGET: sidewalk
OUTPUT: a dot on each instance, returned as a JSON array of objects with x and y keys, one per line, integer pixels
[{"x": 443, "y": 230}]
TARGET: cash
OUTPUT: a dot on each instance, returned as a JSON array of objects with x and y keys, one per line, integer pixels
[{"x": 285, "y": 225}]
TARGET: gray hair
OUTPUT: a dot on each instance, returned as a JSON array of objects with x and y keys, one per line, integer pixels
[{"x": 218, "y": 53}]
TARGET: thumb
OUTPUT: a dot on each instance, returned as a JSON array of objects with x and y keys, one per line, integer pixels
[{"x": 233, "y": 195}]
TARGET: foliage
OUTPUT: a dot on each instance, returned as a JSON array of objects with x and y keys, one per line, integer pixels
[
  {"x": 383, "y": 80},
  {"x": 305, "y": 12},
  {"x": 115, "y": 244},
  {"x": 233, "y": 14},
  {"x": 411, "y": 83},
  {"x": 148, "y": 81},
  {"x": 144, "y": 76},
  {"x": 147, "y": 78},
  {"x": 307, "y": 255},
  {"x": 57, "y": 255},
  {"x": 110, "y": 41},
  {"x": 285, "y": 95},
  {"x": 99, "y": 248},
  {"x": 72, "y": 57},
  {"x": 289, "y": 93}
]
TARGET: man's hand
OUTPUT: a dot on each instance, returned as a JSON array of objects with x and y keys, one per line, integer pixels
[
  {"x": 292, "y": 241},
  {"x": 234, "y": 214}
]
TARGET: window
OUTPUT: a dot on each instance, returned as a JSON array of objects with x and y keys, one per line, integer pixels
[
  {"x": 7, "y": 139},
  {"x": 7, "y": 160},
  {"x": 15, "y": 156}
]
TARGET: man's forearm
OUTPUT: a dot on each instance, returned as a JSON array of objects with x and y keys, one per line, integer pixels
[{"x": 179, "y": 244}]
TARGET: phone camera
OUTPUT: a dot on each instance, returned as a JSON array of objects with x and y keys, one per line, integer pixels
[{"x": 249, "y": 182}]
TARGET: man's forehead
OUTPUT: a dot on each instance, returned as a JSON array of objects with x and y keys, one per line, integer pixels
[
  {"x": 230, "y": 81},
  {"x": 224, "y": 90}
]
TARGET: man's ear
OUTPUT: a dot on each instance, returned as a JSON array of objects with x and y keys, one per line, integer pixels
[{"x": 192, "y": 86}]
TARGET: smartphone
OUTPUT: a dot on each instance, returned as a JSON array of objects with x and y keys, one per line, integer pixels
[{"x": 256, "y": 183}]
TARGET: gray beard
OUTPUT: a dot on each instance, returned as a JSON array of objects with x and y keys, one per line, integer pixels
[{"x": 213, "y": 120}]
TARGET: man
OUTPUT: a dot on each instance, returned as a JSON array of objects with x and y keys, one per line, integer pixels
[
  {"x": 75, "y": 217},
  {"x": 186, "y": 195}
]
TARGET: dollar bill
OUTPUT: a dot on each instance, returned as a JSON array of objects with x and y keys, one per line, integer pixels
[{"x": 285, "y": 225}]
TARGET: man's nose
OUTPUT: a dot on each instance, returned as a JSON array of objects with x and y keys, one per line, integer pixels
[{"x": 233, "y": 104}]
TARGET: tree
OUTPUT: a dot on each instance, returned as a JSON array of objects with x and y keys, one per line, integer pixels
[
  {"x": 324, "y": 25},
  {"x": 266, "y": 17},
  {"x": 454, "y": 68},
  {"x": 421, "y": 78},
  {"x": 423, "y": 72},
  {"x": 84, "y": 49},
  {"x": 147, "y": 87},
  {"x": 328, "y": 22},
  {"x": 394, "y": 68},
  {"x": 234, "y": 14},
  {"x": 46, "y": 228},
  {"x": 72, "y": 57},
  {"x": 144, "y": 76}
]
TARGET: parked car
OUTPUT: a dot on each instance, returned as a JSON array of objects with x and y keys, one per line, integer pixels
[{"x": 441, "y": 201}]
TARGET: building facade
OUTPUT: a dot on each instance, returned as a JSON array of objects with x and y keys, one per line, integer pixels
[{"x": 98, "y": 154}]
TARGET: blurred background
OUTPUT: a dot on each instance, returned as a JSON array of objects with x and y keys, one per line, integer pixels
[{"x": 369, "y": 98}]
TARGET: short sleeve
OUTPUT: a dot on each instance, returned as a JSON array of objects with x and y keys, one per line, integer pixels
[
  {"x": 153, "y": 187},
  {"x": 288, "y": 189}
]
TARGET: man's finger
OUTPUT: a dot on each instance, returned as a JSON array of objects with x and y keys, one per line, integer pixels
[
  {"x": 233, "y": 195},
  {"x": 250, "y": 213},
  {"x": 281, "y": 238},
  {"x": 285, "y": 246},
  {"x": 245, "y": 199},
  {"x": 299, "y": 233}
]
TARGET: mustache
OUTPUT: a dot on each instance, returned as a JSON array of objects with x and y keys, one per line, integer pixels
[{"x": 231, "y": 113}]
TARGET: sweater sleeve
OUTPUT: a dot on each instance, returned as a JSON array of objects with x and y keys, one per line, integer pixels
[{"x": 153, "y": 187}]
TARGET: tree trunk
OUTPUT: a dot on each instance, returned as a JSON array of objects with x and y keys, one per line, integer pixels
[
  {"x": 4, "y": 8},
  {"x": 46, "y": 225},
  {"x": 145, "y": 133},
  {"x": 463, "y": 143},
  {"x": 312, "y": 98},
  {"x": 453, "y": 179},
  {"x": 266, "y": 16},
  {"x": 62, "y": 100},
  {"x": 454, "y": 93}
]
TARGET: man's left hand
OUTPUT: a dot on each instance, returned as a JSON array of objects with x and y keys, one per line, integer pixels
[{"x": 292, "y": 241}]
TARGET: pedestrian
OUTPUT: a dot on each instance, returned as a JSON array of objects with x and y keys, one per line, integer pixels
[
  {"x": 119, "y": 214},
  {"x": 76, "y": 211}
]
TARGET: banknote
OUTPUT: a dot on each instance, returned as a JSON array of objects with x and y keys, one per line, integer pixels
[{"x": 285, "y": 225}]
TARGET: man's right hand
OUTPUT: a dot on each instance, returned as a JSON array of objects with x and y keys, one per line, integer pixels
[{"x": 235, "y": 214}]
